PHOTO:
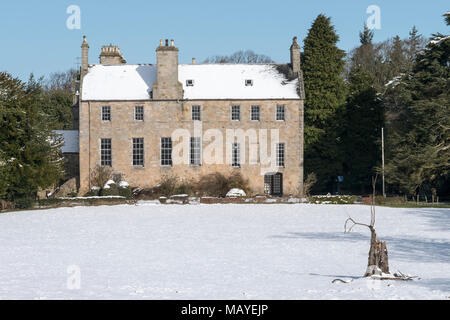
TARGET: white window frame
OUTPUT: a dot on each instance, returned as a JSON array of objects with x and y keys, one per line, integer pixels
[
  {"x": 281, "y": 155},
  {"x": 238, "y": 112},
  {"x": 283, "y": 108},
  {"x": 259, "y": 112},
  {"x": 140, "y": 152},
  {"x": 195, "y": 151},
  {"x": 104, "y": 161},
  {"x": 136, "y": 113},
  {"x": 166, "y": 162},
  {"x": 236, "y": 155},
  {"x": 199, "y": 111},
  {"x": 103, "y": 113}
]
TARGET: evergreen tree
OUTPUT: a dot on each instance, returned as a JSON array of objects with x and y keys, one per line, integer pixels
[
  {"x": 363, "y": 118},
  {"x": 397, "y": 58},
  {"x": 29, "y": 148},
  {"x": 323, "y": 68},
  {"x": 361, "y": 140},
  {"x": 419, "y": 122},
  {"x": 11, "y": 93},
  {"x": 414, "y": 43},
  {"x": 368, "y": 58},
  {"x": 366, "y": 36}
]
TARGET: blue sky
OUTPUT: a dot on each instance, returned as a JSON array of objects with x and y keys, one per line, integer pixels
[{"x": 34, "y": 36}]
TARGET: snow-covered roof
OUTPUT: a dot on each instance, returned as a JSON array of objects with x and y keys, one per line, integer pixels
[
  {"x": 211, "y": 81},
  {"x": 70, "y": 137}
]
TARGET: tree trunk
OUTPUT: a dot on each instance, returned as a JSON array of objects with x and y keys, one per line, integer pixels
[{"x": 378, "y": 256}]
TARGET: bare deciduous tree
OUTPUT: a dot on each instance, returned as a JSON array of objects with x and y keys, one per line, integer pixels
[
  {"x": 378, "y": 255},
  {"x": 241, "y": 56},
  {"x": 310, "y": 181},
  {"x": 61, "y": 81}
]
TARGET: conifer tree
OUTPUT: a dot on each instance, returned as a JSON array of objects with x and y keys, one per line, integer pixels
[
  {"x": 323, "y": 68},
  {"x": 30, "y": 153},
  {"x": 363, "y": 119},
  {"x": 366, "y": 36},
  {"x": 419, "y": 122}
]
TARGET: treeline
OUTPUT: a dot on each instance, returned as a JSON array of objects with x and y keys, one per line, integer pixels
[
  {"x": 30, "y": 155},
  {"x": 401, "y": 85}
]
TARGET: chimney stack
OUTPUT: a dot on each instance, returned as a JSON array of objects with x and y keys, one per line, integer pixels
[
  {"x": 295, "y": 56},
  {"x": 84, "y": 57},
  {"x": 167, "y": 86},
  {"x": 111, "y": 55}
]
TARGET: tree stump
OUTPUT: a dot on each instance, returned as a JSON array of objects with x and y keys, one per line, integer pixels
[{"x": 378, "y": 256}]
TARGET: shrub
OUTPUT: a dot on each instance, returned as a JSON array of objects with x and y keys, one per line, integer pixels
[
  {"x": 185, "y": 187},
  {"x": 236, "y": 180},
  {"x": 24, "y": 202},
  {"x": 310, "y": 181},
  {"x": 213, "y": 184},
  {"x": 92, "y": 193},
  {"x": 332, "y": 199},
  {"x": 380, "y": 200},
  {"x": 113, "y": 190},
  {"x": 101, "y": 175},
  {"x": 167, "y": 185},
  {"x": 216, "y": 184},
  {"x": 125, "y": 192}
]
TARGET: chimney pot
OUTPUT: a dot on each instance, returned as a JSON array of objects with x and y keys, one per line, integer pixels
[
  {"x": 161, "y": 43},
  {"x": 171, "y": 43},
  {"x": 167, "y": 42},
  {"x": 193, "y": 60}
]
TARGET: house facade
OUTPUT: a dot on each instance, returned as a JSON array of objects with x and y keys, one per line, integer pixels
[{"x": 148, "y": 121}]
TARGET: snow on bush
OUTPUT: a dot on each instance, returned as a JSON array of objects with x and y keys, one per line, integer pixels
[
  {"x": 124, "y": 184},
  {"x": 108, "y": 184},
  {"x": 236, "y": 193}
]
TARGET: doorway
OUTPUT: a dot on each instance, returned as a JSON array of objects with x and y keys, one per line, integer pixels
[{"x": 273, "y": 184}]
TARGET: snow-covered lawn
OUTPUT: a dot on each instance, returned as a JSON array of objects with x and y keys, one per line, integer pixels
[{"x": 267, "y": 251}]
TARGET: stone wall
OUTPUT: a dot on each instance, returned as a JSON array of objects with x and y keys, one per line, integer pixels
[{"x": 161, "y": 118}]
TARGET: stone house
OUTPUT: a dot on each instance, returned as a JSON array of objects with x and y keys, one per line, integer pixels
[{"x": 148, "y": 121}]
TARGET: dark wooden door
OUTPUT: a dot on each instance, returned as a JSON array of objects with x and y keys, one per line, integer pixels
[{"x": 273, "y": 184}]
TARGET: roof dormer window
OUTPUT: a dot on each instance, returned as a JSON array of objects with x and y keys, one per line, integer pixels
[
  {"x": 189, "y": 83},
  {"x": 248, "y": 83}
]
